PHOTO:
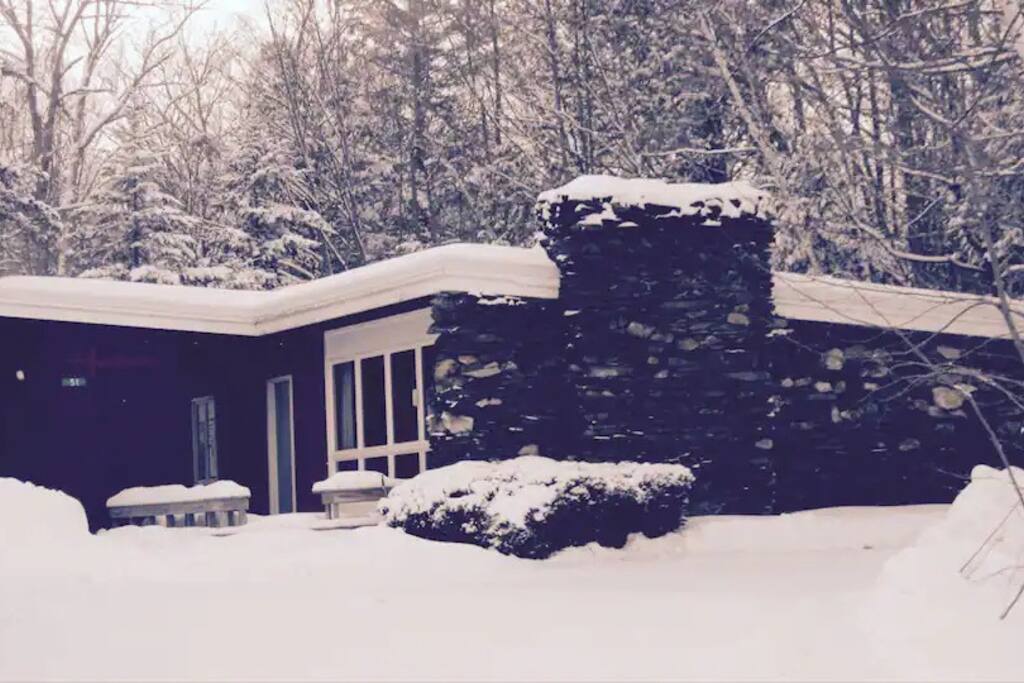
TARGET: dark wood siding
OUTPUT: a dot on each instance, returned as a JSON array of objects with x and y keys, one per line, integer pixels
[{"x": 130, "y": 424}]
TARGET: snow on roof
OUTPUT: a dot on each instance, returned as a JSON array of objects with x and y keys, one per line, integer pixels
[
  {"x": 829, "y": 299},
  {"x": 735, "y": 199},
  {"x": 481, "y": 269}
]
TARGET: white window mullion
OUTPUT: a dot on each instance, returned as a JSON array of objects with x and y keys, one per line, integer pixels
[
  {"x": 421, "y": 406},
  {"x": 275, "y": 505},
  {"x": 421, "y": 409},
  {"x": 389, "y": 414},
  {"x": 329, "y": 413},
  {"x": 357, "y": 368}
]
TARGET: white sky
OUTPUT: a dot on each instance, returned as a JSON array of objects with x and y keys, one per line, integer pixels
[{"x": 224, "y": 14}]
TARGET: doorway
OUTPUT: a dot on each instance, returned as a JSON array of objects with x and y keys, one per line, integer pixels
[{"x": 281, "y": 445}]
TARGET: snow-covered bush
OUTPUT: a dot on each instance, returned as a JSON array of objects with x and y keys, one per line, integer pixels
[
  {"x": 951, "y": 572},
  {"x": 532, "y": 506}
]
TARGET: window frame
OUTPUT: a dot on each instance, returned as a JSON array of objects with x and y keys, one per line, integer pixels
[
  {"x": 211, "y": 450},
  {"x": 384, "y": 337}
]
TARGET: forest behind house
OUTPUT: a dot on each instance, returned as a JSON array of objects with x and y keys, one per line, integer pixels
[{"x": 316, "y": 136}]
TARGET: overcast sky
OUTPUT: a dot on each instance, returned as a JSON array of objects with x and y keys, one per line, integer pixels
[{"x": 224, "y": 13}]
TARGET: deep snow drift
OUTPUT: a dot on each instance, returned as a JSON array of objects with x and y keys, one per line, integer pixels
[
  {"x": 807, "y": 596},
  {"x": 966, "y": 568},
  {"x": 38, "y": 526}
]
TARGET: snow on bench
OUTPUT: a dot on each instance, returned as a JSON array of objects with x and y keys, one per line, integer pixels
[
  {"x": 353, "y": 492},
  {"x": 148, "y": 503}
]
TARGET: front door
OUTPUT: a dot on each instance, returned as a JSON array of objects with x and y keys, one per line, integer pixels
[{"x": 280, "y": 445}]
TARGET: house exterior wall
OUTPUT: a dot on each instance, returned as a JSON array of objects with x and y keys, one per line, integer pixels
[
  {"x": 130, "y": 425},
  {"x": 299, "y": 353}
]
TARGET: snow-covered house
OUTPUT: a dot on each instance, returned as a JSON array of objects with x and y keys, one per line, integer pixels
[
  {"x": 114, "y": 384},
  {"x": 648, "y": 326}
]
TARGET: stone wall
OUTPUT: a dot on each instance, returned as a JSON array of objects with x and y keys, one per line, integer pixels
[
  {"x": 861, "y": 418},
  {"x": 663, "y": 346},
  {"x": 499, "y": 377}
]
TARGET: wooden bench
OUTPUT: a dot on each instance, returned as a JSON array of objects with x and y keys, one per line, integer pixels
[
  {"x": 358, "y": 490},
  {"x": 333, "y": 500},
  {"x": 210, "y": 512}
]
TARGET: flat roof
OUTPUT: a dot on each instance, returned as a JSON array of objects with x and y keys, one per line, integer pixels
[
  {"x": 479, "y": 269},
  {"x": 852, "y": 302}
]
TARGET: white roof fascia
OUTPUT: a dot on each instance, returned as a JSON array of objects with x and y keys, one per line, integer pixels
[
  {"x": 480, "y": 269},
  {"x": 866, "y": 304},
  {"x": 477, "y": 269}
]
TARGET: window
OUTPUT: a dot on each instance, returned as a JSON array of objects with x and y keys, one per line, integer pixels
[
  {"x": 377, "y": 375},
  {"x": 345, "y": 405},
  {"x": 204, "y": 439},
  {"x": 375, "y": 419},
  {"x": 404, "y": 396}
]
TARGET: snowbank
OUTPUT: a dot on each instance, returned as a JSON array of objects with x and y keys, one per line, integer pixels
[
  {"x": 351, "y": 481},
  {"x": 176, "y": 493},
  {"x": 533, "y": 506},
  {"x": 704, "y": 604},
  {"x": 734, "y": 200},
  {"x": 34, "y": 518},
  {"x": 926, "y": 578}
]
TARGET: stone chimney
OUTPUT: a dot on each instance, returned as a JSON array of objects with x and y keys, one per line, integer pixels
[{"x": 666, "y": 295}]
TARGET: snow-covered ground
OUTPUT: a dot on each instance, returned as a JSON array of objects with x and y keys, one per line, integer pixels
[{"x": 808, "y": 596}]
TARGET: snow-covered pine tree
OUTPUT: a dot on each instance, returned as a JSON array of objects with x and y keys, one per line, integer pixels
[
  {"x": 272, "y": 203},
  {"x": 130, "y": 228},
  {"x": 29, "y": 227}
]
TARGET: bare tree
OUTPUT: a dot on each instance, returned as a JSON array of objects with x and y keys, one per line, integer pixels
[{"x": 71, "y": 86}]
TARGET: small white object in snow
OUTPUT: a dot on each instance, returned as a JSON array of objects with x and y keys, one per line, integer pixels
[
  {"x": 734, "y": 200},
  {"x": 363, "y": 480},
  {"x": 176, "y": 493}
]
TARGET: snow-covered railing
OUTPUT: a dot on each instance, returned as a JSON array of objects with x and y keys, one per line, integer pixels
[{"x": 208, "y": 504}]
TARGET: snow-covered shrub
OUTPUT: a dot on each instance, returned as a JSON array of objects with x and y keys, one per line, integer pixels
[
  {"x": 951, "y": 572},
  {"x": 533, "y": 506}
]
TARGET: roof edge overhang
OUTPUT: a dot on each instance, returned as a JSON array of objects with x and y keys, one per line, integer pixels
[
  {"x": 478, "y": 269},
  {"x": 821, "y": 298}
]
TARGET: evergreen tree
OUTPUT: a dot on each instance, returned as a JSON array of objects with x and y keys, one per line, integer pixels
[
  {"x": 130, "y": 228},
  {"x": 29, "y": 227},
  {"x": 270, "y": 201}
]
